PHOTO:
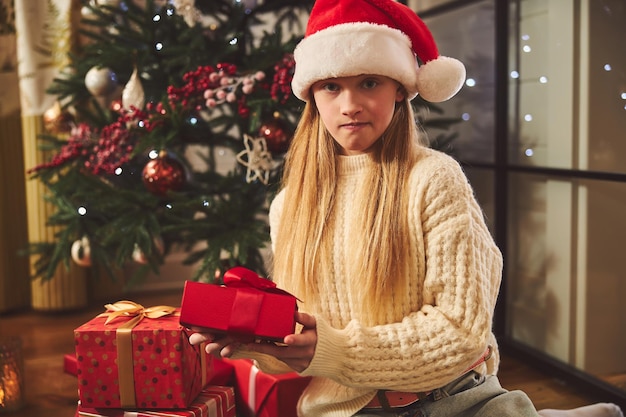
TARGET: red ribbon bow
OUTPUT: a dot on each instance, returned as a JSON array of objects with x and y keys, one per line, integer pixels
[
  {"x": 248, "y": 300},
  {"x": 240, "y": 277}
]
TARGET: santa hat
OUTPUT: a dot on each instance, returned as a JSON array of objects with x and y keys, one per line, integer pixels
[{"x": 383, "y": 37}]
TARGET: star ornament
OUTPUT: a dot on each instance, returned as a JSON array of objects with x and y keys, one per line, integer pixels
[{"x": 256, "y": 158}]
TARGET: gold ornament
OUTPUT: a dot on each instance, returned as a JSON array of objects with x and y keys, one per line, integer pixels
[{"x": 57, "y": 121}]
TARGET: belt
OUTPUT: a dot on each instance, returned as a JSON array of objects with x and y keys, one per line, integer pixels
[{"x": 395, "y": 399}]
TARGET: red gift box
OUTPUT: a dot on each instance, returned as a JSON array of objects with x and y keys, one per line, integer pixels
[
  {"x": 135, "y": 357},
  {"x": 259, "y": 394},
  {"x": 213, "y": 401},
  {"x": 247, "y": 307},
  {"x": 222, "y": 373}
]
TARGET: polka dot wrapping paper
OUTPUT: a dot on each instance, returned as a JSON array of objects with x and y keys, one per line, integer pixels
[
  {"x": 213, "y": 401},
  {"x": 150, "y": 366}
]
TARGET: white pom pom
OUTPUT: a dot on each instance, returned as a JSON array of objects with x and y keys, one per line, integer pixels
[{"x": 440, "y": 79}]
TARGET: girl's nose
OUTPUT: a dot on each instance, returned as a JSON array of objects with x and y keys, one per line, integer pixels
[{"x": 350, "y": 105}]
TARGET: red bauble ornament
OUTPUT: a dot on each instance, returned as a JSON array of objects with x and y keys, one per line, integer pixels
[
  {"x": 277, "y": 136},
  {"x": 163, "y": 174}
]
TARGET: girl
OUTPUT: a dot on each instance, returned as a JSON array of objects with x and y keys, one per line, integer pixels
[{"x": 379, "y": 235}]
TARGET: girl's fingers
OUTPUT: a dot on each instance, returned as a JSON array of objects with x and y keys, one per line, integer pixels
[
  {"x": 307, "y": 320},
  {"x": 197, "y": 338}
]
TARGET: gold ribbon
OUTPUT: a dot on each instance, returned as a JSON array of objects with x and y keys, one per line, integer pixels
[{"x": 124, "y": 341}]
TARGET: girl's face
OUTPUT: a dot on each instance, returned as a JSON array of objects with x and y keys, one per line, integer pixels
[{"x": 357, "y": 110}]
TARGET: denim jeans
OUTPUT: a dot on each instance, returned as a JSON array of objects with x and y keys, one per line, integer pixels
[{"x": 472, "y": 395}]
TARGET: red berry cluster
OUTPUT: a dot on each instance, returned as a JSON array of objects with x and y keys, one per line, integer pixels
[
  {"x": 102, "y": 152},
  {"x": 116, "y": 143},
  {"x": 77, "y": 145},
  {"x": 196, "y": 83},
  {"x": 280, "y": 89}
]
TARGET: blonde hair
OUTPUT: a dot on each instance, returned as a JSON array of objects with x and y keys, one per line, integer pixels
[{"x": 303, "y": 246}]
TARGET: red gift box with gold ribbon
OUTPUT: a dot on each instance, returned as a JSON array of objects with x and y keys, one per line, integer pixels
[
  {"x": 133, "y": 357},
  {"x": 246, "y": 307},
  {"x": 213, "y": 401}
]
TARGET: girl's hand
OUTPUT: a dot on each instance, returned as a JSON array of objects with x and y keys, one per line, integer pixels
[
  {"x": 217, "y": 345},
  {"x": 298, "y": 350}
]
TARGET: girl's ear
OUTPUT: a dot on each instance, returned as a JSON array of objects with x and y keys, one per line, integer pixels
[{"x": 400, "y": 94}]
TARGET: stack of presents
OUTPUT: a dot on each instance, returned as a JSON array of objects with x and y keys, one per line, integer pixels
[{"x": 137, "y": 361}]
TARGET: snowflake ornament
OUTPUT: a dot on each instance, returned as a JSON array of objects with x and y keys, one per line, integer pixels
[
  {"x": 187, "y": 9},
  {"x": 258, "y": 160}
]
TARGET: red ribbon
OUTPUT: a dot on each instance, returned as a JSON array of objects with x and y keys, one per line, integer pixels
[{"x": 248, "y": 299}]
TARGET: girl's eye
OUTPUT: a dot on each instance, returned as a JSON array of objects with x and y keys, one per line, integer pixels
[
  {"x": 370, "y": 83},
  {"x": 330, "y": 87}
]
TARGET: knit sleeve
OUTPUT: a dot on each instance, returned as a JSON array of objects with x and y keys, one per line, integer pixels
[{"x": 452, "y": 326}]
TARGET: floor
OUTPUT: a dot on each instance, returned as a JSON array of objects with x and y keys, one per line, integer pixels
[{"x": 50, "y": 392}]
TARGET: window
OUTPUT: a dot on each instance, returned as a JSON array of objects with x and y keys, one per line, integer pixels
[{"x": 547, "y": 164}]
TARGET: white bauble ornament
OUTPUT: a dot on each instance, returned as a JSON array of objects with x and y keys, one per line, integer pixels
[
  {"x": 133, "y": 94},
  {"x": 141, "y": 258},
  {"x": 88, "y": 13},
  {"x": 100, "y": 81},
  {"x": 81, "y": 252}
]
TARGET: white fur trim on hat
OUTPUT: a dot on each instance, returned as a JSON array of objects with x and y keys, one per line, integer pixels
[{"x": 351, "y": 49}]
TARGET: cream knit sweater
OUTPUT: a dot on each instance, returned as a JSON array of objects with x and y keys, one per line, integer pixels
[{"x": 456, "y": 272}]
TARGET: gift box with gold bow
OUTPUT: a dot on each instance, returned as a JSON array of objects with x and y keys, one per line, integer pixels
[
  {"x": 133, "y": 357},
  {"x": 246, "y": 307}
]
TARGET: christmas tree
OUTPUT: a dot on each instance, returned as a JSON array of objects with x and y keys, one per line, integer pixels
[{"x": 172, "y": 121}]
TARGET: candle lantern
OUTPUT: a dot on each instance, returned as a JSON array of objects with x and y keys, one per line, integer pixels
[{"x": 11, "y": 374}]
